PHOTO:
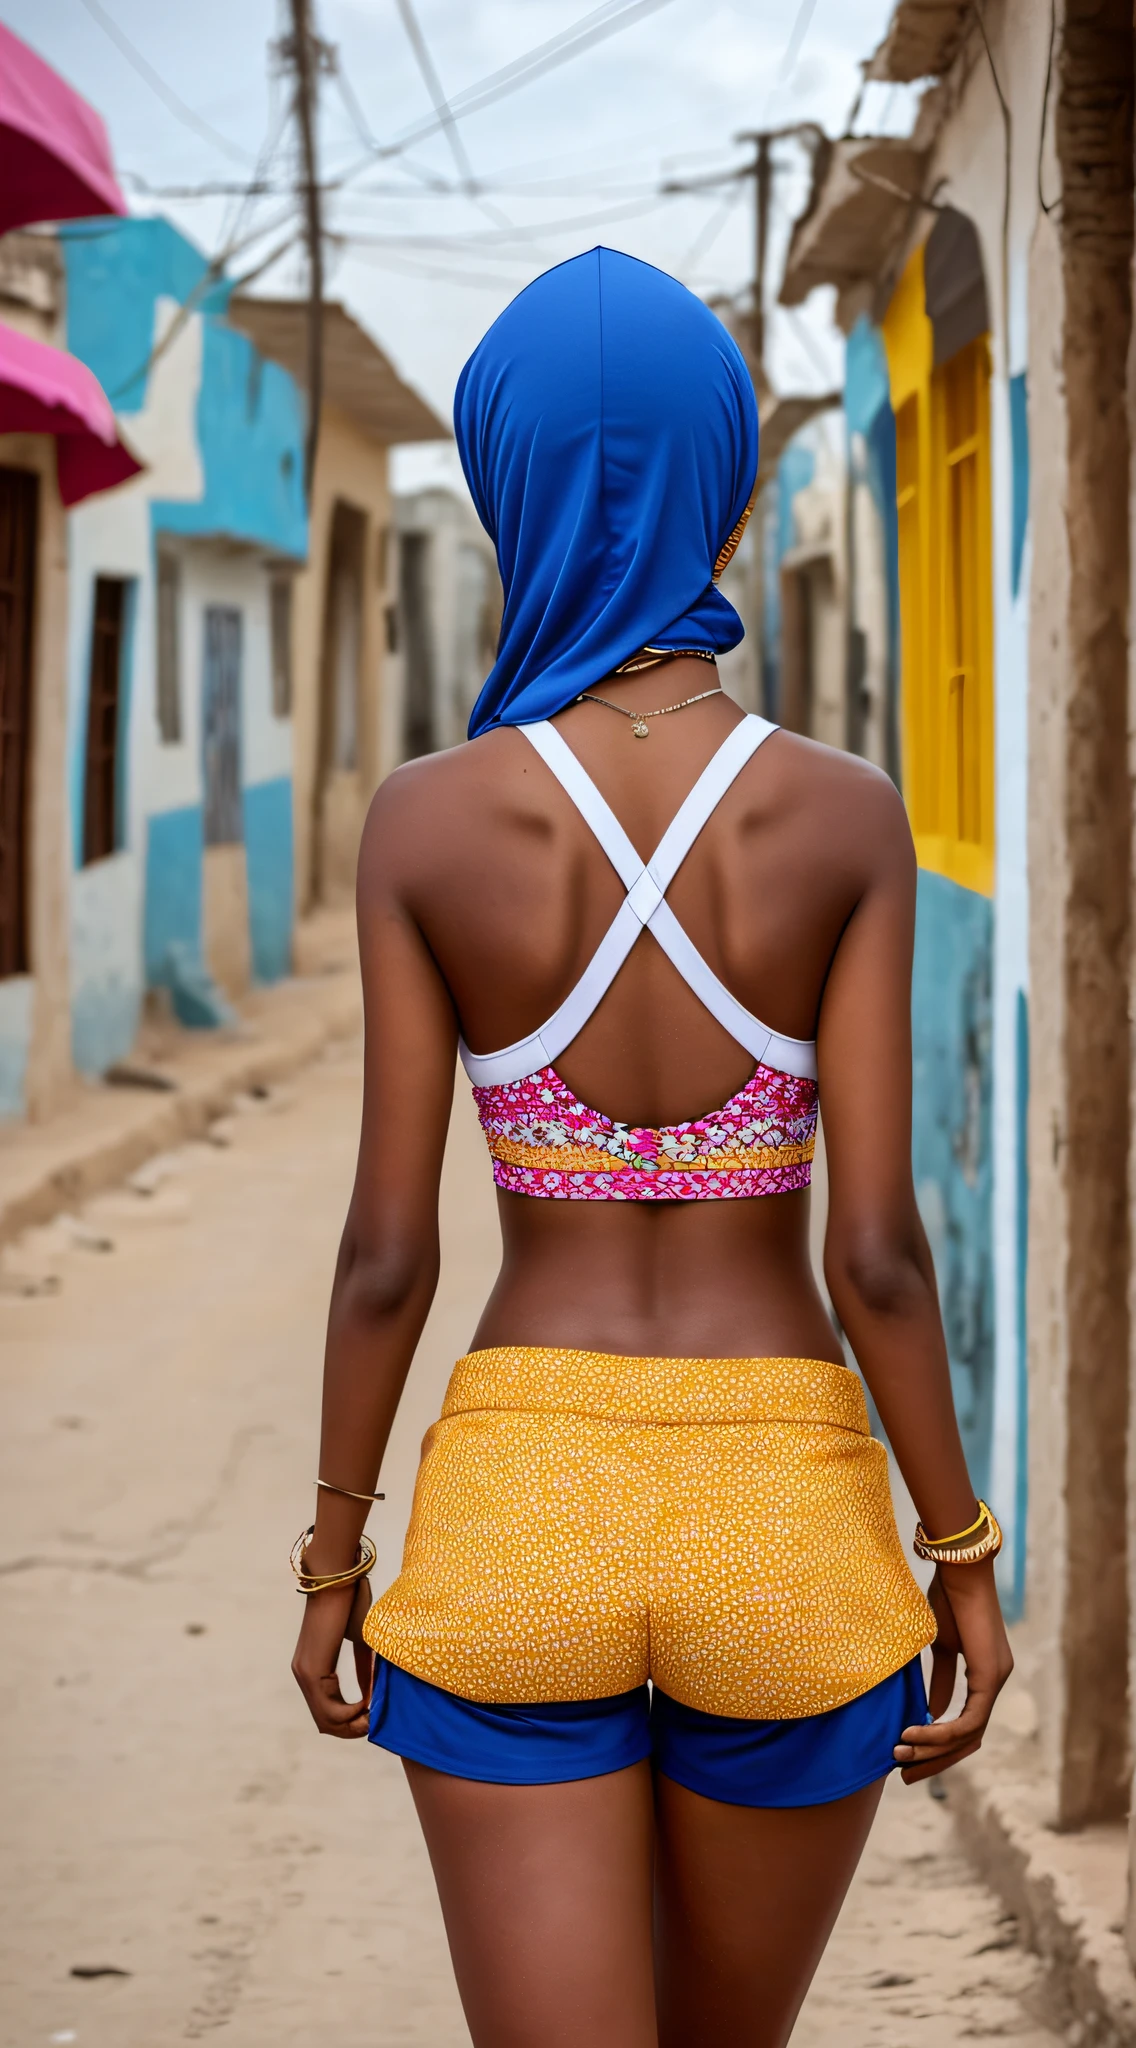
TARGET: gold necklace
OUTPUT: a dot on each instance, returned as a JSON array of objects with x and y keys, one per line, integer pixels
[{"x": 638, "y": 719}]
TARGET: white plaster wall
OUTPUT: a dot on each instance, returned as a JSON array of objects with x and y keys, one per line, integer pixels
[
  {"x": 17, "y": 994},
  {"x": 106, "y": 927},
  {"x": 969, "y": 171}
]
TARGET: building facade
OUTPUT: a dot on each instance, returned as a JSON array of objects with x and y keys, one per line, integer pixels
[
  {"x": 987, "y": 262},
  {"x": 179, "y": 741},
  {"x": 448, "y": 617},
  {"x": 347, "y": 681}
]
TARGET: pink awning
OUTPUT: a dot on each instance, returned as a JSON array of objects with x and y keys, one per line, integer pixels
[
  {"x": 44, "y": 391},
  {"x": 55, "y": 161}
]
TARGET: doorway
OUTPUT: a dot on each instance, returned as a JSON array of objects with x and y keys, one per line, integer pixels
[
  {"x": 19, "y": 512},
  {"x": 339, "y": 794},
  {"x": 225, "y": 915}
]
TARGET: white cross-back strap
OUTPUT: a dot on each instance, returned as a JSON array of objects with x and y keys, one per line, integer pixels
[{"x": 646, "y": 883}]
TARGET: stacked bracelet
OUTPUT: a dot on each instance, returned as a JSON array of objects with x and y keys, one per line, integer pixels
[
  {"x": 970, "y": 1546},
  {"x": 330, "y": 1486},
  {"x": 319, "y": 1582}
]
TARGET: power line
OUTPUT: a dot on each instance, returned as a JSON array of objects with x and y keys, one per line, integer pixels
[
  {"x": 499, "y": 238},
  {"x": 793, "y": 48},
  {"x": 606, "y": 20},
  {"x": 433, "y": 84},
  {"x": 434, "y": 87},
  {"x": 157, "y": 84},
  {"x": 710, "y": 230}
]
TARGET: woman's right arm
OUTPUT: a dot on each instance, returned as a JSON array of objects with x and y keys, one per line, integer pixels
[
  {"x": 879, "y": 1270},
  {"x": 387, "y": 1267}
]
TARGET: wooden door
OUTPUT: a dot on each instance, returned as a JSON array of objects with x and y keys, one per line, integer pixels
[
  {"x": 102, "y": 803},
  {"x": 19, "y": 506}
]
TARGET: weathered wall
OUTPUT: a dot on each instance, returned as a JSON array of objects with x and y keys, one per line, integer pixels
[
  {"x": 35, "y": 1052},
  {"x": 951, "y": 1152},
  {"x": 1094, "y": 140},
  {"x": 1080, "y": 296},
  {"x": 220, "y": 431},
  {"x": 1047, "y": 1285}
]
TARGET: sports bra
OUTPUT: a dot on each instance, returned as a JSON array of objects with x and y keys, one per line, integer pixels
[{"x": 544, "y": 1141}]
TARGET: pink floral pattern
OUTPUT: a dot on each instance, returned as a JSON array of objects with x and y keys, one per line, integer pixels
[{"x": 544, "y": 1141}]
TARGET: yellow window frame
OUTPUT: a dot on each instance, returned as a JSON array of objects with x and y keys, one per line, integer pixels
[{"x": 946, "y": 596}]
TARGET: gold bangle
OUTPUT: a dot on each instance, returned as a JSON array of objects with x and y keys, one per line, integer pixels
[
  {"x": 320, "y": 1582},
  {"x": 961, "y": 1535},
  {"x": 330, "y": 1487},
  {"x": 959, "y": 1549}
]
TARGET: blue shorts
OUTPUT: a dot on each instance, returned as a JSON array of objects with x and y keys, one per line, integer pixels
[{"x": 742, "y": 1763}]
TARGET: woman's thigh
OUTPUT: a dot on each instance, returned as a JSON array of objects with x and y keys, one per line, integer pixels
[
  {"x": 546, "y": 1895},
  {"x": 746, "y": 1898}
]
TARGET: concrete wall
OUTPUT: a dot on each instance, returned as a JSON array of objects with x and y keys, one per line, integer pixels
[{"x": 220, "y": 431}]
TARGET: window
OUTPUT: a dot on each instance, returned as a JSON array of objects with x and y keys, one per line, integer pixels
[
  {"x": 942, "y": 417},
  {"x": 280, "y": 621},
  {"x": 169, "y": 648},
  {"x": 102, "y": 804},
  {"x": 19, "y": 502}
]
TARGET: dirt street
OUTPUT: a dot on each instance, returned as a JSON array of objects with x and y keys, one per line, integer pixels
[{"x": 185, "y": 1859}]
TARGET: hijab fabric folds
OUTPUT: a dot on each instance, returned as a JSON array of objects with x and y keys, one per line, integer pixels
[{"x": 608, "y": 431}]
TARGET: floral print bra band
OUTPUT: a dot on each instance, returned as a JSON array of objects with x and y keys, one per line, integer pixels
[{"x": 544, "y": 1141}]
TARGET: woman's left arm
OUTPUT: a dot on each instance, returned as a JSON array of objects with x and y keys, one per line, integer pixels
[{"x": 387, "y": 1268}]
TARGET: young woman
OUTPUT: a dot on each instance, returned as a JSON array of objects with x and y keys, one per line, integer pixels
[{"x": 654, "y": 1463}]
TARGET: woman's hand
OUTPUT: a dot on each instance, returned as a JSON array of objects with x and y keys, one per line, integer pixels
[
  {"x": 965, "y": 1605},
  {"x": 330, "y": 1619}
]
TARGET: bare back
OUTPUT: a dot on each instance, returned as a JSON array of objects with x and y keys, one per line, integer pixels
[{"x": 511, "y": 895}]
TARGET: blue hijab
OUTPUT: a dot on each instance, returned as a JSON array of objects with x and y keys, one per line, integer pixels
[{"x": 608, "y": 432}]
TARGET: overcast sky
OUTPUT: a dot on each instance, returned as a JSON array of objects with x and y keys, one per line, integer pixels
[{"x": 587, "y": 145}]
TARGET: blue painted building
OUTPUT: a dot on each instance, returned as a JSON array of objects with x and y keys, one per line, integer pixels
[
  {"x": 180, "y": 646},
  {"x": 855, "y": 653}
]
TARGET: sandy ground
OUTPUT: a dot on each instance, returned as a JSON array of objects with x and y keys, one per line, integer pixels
[{"x": 183, "y": 1857}]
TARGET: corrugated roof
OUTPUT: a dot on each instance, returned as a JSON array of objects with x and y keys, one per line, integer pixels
[
  {"x": 357, "y": 376},
  {"x": 923, "y": 39},
  {"x": 857, "y": 209}
]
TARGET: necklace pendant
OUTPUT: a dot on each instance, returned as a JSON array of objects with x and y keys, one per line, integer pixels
[{"x": 641, "y": 729}]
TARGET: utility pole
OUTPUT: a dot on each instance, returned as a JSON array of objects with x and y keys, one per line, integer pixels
[
  {"x": 762, "y": 175},
  {"x": 761, "y": 170},
  {"x": 303, "y": 50}
]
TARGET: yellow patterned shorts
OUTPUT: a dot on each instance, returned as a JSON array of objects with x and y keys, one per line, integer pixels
[{"x": 583, "y": 1522}]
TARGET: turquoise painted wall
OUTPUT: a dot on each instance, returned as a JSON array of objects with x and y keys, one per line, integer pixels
[
  {"x": 268, "y": 850},
  {"x": 175, "y": 860},
  {"x": 867, "y": 411},
  {"x": 104, "y": 1021},
  {"x": 250, "y": 414},
  {"x": 951, "y": 1141},
  {"x": 249, "y": 422}
]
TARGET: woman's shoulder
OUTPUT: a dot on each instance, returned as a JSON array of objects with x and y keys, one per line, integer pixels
[
  {"x": 426, "y": 804},
  {"x": 832, "y": 817},
  {"x": 840, "y": 793}
]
